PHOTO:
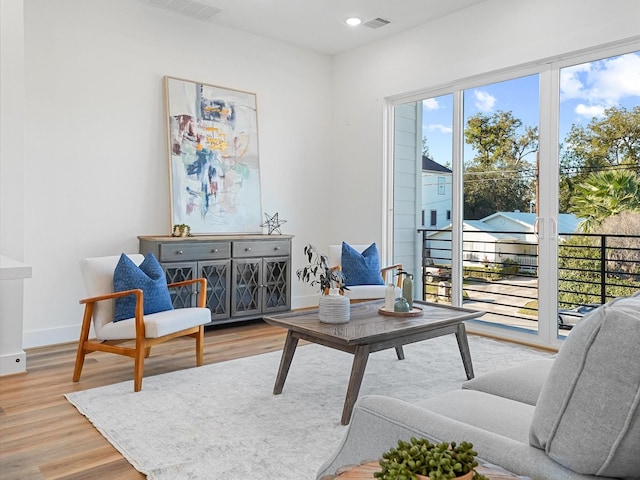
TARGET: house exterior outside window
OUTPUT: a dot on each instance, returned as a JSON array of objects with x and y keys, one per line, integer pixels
[{"x": 436, "y": 192}]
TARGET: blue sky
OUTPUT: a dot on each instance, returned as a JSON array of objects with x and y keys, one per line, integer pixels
[{"x": 585, "y": 91}]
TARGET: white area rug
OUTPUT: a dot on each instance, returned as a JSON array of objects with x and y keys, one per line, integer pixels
[{"x": 222, "y": 421}]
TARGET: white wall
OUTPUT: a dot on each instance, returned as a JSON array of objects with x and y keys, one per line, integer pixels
[
  {"x": 12, "y": 99},
  {"x": 95, "y": 167},
  {"x": 95, "y": 156}
]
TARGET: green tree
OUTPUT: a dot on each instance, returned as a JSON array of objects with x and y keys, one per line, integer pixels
[
  {"x": 425, "y": 148},
  {"x": 500, "y": 177},
  {"x": 605, "y": 194},
  {"x": 607, "y": 142},
  {"x": 623, "y": 254}
]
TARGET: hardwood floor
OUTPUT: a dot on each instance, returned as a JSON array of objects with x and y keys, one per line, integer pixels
[{"x": 42, "y": 436}]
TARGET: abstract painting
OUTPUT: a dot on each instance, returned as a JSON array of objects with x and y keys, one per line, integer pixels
[{"x": 212, "y": 135}]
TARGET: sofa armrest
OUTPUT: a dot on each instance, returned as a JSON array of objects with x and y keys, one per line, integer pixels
[
  {"x": 521, "y": 383},
  {"x": 379, "y": 422}
]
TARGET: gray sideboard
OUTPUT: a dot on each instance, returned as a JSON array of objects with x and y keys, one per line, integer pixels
[{"x": 248, "y": 276}]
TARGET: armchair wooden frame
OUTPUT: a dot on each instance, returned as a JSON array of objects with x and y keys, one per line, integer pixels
[
  {"x": 385, "y": 270},
  {"x": 142, "y": 348}
]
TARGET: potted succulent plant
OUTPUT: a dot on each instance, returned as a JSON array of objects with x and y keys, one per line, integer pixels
[
  {"x": 181, "y": 230},
  {"x": 318, "y": 272},
  {"x": 420, "y": 459}
]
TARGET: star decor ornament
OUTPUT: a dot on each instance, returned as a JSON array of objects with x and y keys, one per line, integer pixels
[{"x": 273, "y": 223}]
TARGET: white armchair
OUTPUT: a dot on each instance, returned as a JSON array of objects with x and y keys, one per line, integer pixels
[
  {"x": 145, "y": 330},
  {"x": 366, "y": 292}
]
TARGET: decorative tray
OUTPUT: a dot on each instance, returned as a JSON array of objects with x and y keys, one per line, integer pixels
[{"x": 414, "y": 312}]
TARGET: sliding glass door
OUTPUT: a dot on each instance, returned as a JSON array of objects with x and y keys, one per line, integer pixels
[
  {"x": 497, "y": 186},
  {"x": 500, "y": 210},
  {"x": 599, "y": 184},
  {"x": 423, "y": 194}
]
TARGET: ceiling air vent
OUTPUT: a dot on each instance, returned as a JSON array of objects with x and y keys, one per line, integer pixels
[
  {"x": 186, "y": 7},
  {"x": 376, "y": 23}
]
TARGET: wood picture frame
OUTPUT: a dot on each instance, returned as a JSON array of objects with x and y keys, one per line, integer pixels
[{"x": 212, "y": 140}]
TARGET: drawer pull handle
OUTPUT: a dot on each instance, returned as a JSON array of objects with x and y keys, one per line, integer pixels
[
  {"x": 215, "y": 250},
  {"x": 247, "y": 249},
  {"x": 277, "y": 248},
  {"x": 179, "y": 252}
]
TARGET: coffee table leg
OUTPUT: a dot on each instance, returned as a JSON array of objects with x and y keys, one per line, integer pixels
[
  {"x": 285, "y": 361},
  {"x": 400, "y": 352},
  {"x": 357, "y": 372},
  {"x": 463, "y": 345}
]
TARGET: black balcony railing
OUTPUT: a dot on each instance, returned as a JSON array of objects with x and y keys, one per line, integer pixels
[
  {"x": 595, "y": 268},
  {"x": 500, "y": 270}
]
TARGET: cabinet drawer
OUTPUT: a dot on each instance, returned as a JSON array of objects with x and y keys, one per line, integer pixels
[
  {"x": 175, "y": 252},
  {"x": 261, "y": 248}
]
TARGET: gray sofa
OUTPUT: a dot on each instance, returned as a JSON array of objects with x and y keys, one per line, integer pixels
[{"x": 576, "y": 416}]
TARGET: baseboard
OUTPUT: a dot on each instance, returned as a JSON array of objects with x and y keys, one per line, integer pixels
[
  {"x": 12, "y": 363},
  {"x": 50, "y": 336},
  {"x": 304, "y": 301}
]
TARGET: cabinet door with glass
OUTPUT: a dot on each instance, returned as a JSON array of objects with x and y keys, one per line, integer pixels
[
  {"x": 184, "y": 296},
  {"x": 246, "y": 297},
  {"x": 276, "y": 295},
  {"x": 218, "y": 276}
]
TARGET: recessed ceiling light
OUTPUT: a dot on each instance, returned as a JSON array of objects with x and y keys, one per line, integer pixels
[{"x": 353, "y": 21}]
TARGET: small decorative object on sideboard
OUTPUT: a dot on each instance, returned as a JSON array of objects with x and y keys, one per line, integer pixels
[
  {"x": 181, "y": 230},
  {"x": 333, "y": 306},
  {"x": 420, "y": 459},
  {"x": 272, "y": 223}
]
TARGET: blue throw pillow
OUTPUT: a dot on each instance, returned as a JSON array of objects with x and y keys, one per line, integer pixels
[
  {"x": 149, "y": 277},
  {"x": 361, "y": 268}
]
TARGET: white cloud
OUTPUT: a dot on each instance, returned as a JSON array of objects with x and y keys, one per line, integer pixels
[
  {"x": 615, "y": 78},
  {"x": 571, "y": 85},
  {"x": 589, "y": 111},
  {"x": 431, "y": 104},
  {"x": 484, "y": 100},
  {"x": 602, "y": 83},
  {"x": 439, "y": 128}
]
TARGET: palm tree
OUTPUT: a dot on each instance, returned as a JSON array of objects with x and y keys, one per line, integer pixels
[{"x": 603, "y": 195}]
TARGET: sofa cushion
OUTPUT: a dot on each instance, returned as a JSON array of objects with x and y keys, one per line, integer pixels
[
  {"x": 498, "y": 415},
  {"x": 149, "y": 277},
  {"x": 361, "y": 268},
  {"x": 369, "y": 292},
  {"x": 158, "y": 324},
  {"x": 528, "y": 378},
  {"x": 587, "y": 417}
]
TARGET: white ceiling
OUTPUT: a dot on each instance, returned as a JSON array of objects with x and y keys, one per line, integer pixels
[{"x": 316, "y": 24}]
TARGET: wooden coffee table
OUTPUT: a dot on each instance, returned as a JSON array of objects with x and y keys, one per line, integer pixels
[{"x": 369, "y": 332}]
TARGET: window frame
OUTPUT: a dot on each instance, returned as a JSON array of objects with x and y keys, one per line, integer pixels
[
  {"x": 433, "y": 217},
  {"x": 548, "y": 70}
]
